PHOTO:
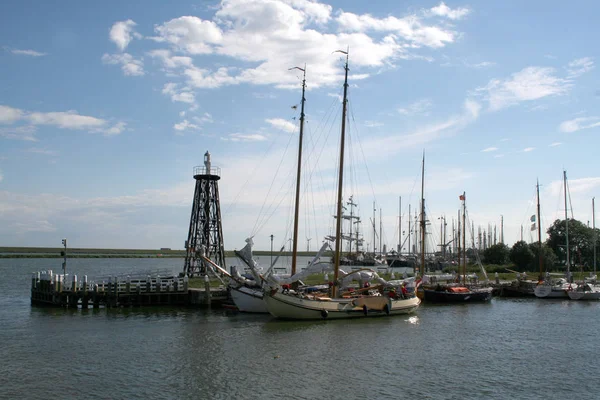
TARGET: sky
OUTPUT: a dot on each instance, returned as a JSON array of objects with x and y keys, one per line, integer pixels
[{"x": 106, "y": 108}]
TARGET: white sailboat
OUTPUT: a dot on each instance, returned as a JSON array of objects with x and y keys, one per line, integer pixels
[
  {"x": 290, "y": 304},
  {"x": 588, "y": 290},
  {"x": 247, "y": 294},
  {"x": 557, "y": 290}
]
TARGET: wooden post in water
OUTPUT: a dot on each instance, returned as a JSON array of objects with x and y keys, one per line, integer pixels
[
  {"x": 84, "y": 291},
  {"x": 95, "y": 301},
  {"x": 207, "y": 290}
]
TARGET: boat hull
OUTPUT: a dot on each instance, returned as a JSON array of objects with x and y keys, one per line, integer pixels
[
  {"x": 441, "y": 296},
  {"x": 587, "y": 295},
  {"x": 293, "y": 307},
  {"x": 550, "y": 292},
  {"x": 248, "y": 300}
]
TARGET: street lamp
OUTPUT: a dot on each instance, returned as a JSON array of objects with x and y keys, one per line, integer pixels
[
  {"x": 64, "y": 253},
  {"x": 271, "y": 250}
]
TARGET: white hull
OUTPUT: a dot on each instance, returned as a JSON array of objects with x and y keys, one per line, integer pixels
[
  {"x": 578, "y": 294},
  {"x": 295, "y": 307},
  {"x": 550, "y": 292},
  {"x": 248, "y": 299}
]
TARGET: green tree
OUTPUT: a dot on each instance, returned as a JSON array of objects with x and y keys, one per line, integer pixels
[
  {"x": 521, "y": 255},
  {"x": 496, "y": 254},
  {"x": 581, "y": 241},
  {"x": 549, "y": 259}
]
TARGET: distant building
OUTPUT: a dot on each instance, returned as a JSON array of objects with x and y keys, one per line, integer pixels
[{"x": 165, "y": 249}]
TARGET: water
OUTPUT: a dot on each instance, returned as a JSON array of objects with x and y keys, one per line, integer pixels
[{"x": 534, "y": 349}]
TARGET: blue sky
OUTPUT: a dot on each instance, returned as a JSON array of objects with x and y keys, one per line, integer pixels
[{"x": 106, "y": 108}]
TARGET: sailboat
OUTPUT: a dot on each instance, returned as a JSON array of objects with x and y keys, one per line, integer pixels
[
  {"x": 457, "y": 293},
  {"x": 522, "y": 287},
  {"x": 247, "y": 294},
  {"x": 342, "y": 301},
  {"x": 588, "y": 290},
  {"x": 557, "y": 290}
]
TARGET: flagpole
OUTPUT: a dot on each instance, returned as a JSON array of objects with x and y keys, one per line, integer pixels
[{"x": 539, "y": 225}]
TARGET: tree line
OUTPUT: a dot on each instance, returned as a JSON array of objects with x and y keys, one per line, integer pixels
[{"x": 524, "y": 256}]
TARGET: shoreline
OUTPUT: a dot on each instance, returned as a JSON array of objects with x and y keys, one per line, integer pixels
[{"x": 56, "y": 252}]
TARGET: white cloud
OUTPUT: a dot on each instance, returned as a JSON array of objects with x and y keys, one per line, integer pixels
[
  {"x": 63, "y": 119},
  {"x": 129, "y": 65},
  {"x": 8, "y": 115},
  {"x": 578, "y": 67},
  {"x": 282, "y": 124},
  {"x": 488, "y": 149},
  {"x": 185, "y": 125},
  {"x": 116, "y": 129},
  {"x": 69, "y": 120},
  {"x": 1, "y": 176},
  {"x": 409, "y": 30},
  {"x": 373, "y": 124},
  {"x": 170, "y": 61},
  {"x": 531, "y": 83},
  {"x": 205, "y": 118},
  {"x": 121, "y": 33},
  {"x": 379, "y": 148},
  {"x": 418, "y": 107},
  {"x": 190, "y": 34},
  {"x": 31, "y": 53},
  {"x": 482, "y": 64},
  {"x": 555, "y": 144},
  {"x": 442, "y": 10},
  {"x": 184, "y": 95},
  {"x": 264, "y": 38},
  {"x": 24, "y": 132},
  {"x": 578, "y": 124},
  {"x": 240, "y": 137},
  {"x": 528, "y": 149}
]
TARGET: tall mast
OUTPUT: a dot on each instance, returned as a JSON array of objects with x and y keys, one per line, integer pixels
[
  {"x": 374, "y": 230},
  {"x": 539, "y": 222},
  {"x": 400, "y": 225},
  {"x": 409, "y": 231},
  {"x": 464, "y": 199},
  {"x": 567, "y": 225},
  {"x": 458, "y": 250},
  {"x": 422, "y": 271},
  {"x": 338, "y": 230},
  {"x": 297, "y": 206},
  {"x": 594, "y": 229},
  {"x": 380, "y": 234}
]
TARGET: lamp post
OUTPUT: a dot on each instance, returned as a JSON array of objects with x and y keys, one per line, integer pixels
[
  {"x": 271, "y": 250},
  {"x": 64, "y": 253}
]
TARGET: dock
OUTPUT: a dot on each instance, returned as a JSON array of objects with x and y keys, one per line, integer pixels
[{"x": 56, "y": 290}]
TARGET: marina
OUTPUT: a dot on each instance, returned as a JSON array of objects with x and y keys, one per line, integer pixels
[{"x": 196, "y": 351}]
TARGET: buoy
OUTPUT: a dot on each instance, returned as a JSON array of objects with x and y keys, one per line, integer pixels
[{"x": 324, "y": 314}]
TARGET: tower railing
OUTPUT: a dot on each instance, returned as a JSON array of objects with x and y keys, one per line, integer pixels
[{"x": 202, "y": 170}]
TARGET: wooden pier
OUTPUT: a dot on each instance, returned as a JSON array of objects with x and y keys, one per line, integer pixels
[{"x": 54, "y": 290}]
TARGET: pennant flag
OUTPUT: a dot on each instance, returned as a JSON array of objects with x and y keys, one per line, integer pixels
[
  {"x": 533, "y": 226},
  {"x": 461, "y": 197},
  {"x": 532, "y": 219}
]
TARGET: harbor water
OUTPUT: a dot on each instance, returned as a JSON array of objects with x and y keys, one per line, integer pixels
[{"x": 505, "y": 349}]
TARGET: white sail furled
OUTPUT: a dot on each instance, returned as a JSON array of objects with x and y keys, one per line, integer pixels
[
  {"x": 245, "y": 254},
  {"x": 314, "y": 267},
  {"x": 363, "y": 275}
]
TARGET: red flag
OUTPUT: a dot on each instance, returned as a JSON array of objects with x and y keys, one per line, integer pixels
[{"x": 461, "y": 197}]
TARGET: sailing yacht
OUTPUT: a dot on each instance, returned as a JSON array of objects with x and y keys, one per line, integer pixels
[
  {"x": 558, "y": 290},
  {"x": 342, "y": 301},
  {"x": 456, "y": 293},
  {"x": 247, "y": 294},
  {"x": 588, "y": 290}
]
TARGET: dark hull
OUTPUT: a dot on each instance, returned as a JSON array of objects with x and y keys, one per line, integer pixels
[{"x": 442, "y": 296}]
